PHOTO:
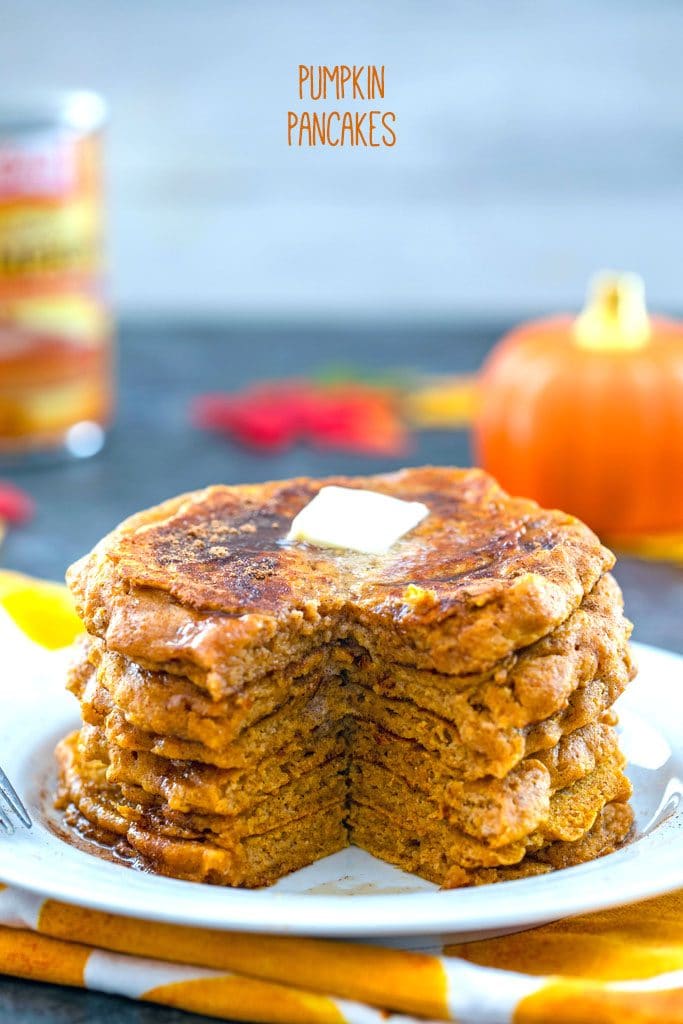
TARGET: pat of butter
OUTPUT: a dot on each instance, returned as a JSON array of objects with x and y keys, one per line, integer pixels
[{"x": 343, "y": 517}]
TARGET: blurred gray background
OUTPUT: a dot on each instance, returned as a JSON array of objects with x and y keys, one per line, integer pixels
[{"x": 537, "y": 141}]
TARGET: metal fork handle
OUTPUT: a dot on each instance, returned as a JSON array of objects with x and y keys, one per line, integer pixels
[
  {"x": 6, "y": 822},
  {"x": 11, "y": 798}
]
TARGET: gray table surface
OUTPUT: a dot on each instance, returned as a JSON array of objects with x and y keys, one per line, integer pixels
[{"x": 152, "y": 453}]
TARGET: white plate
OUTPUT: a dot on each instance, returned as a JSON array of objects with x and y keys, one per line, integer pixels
[{"x": 351, "y": 893}]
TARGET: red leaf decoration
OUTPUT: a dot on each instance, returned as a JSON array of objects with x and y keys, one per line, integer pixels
[{"x": 16, "y": 507}]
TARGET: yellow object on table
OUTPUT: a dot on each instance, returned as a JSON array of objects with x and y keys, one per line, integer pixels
[
  {"x": 43, "y": 610},
  {"x": 442, "y": 403},
  {"x": 620, "y": 965},
  {"x": 656, "y": 547}
]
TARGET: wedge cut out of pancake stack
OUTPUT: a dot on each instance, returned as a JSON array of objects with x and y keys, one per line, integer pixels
[{"x": 251, "y": 704}]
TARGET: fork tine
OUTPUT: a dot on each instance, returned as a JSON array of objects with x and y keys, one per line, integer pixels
[
  {"x": 11, "y": 797},
  {"x": 5, "y": 822}
]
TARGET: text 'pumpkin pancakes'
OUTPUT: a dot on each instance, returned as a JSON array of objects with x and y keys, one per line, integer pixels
[{"x": 252, "y": 703}]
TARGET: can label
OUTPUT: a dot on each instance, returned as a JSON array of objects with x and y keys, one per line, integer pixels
[
  {"x": 50, "y": 224},
  {"x": 54, "y": 320}
]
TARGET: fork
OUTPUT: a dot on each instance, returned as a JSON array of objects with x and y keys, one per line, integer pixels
[{"x": 12, "y": 805}]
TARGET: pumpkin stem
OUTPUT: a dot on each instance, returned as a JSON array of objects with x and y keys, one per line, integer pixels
[{"x": 615, "y": 316}]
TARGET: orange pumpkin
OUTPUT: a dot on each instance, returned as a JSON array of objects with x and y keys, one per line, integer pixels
[{"x": 586, "y": 414}]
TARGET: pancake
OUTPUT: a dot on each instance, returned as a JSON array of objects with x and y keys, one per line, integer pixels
[
  {"x": 177, "y": 838},
  {"x": 195, "y": 786},
  {"x": 253, "y": 861},
  {"x": 251, "y": 703},
  {"x": 490, "y": 718},
  {"x": 331, "y": 703},
  {"x": 320, "y": 788},
  {"x": 430, "y": 857},
  {"x": 575, "y": 756},
  {"x": 172, "y": 706},
  {"x": 208, "y": 586},
  {"x": 527, "y": 816},
  {"x": 593, "y": 641},
  {"x": 488, "y": 808},
  {"x": 199, "y": 787}
]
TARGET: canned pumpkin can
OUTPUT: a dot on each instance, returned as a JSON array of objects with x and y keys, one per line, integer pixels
[{"x": 55, "y": 322}]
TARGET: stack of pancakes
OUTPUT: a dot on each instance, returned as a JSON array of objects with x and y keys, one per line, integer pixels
[{"x": 251, "y": 704}]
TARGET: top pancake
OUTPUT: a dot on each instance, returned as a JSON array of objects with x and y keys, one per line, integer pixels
[{"x": 208, "y": 579}]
